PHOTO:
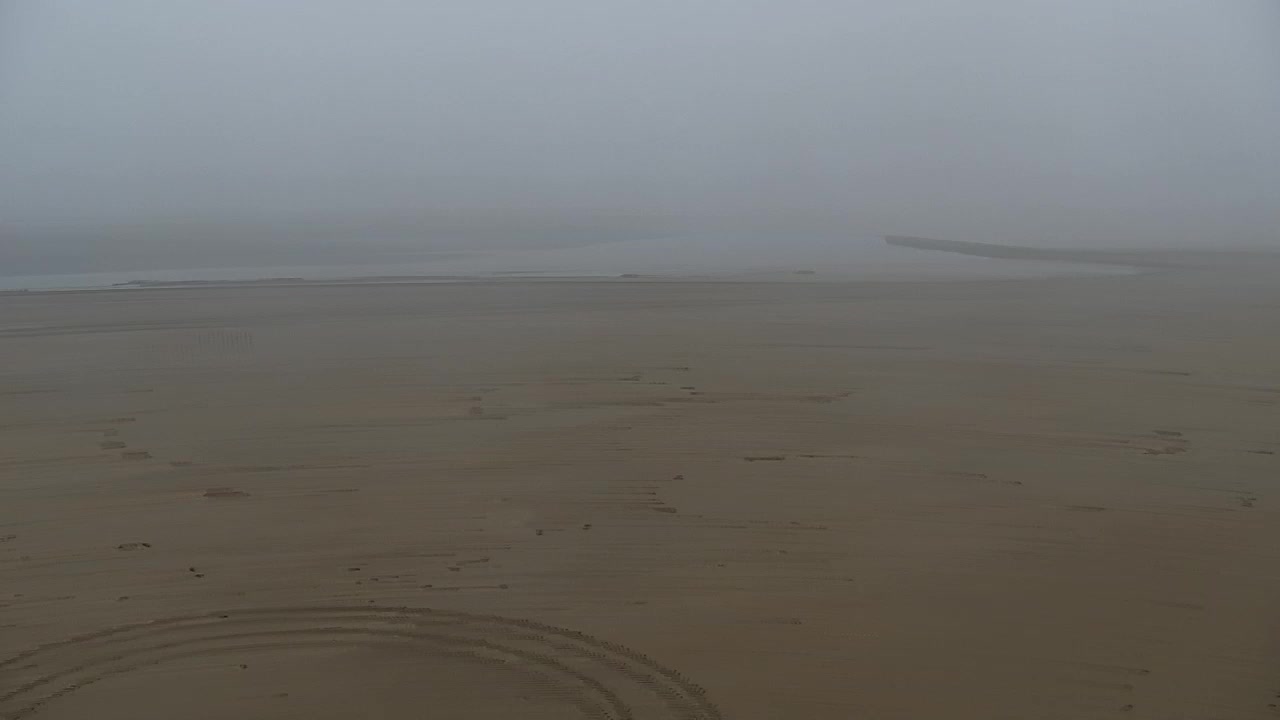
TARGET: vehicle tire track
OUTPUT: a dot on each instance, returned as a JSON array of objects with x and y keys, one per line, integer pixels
[{"x": 606, "y": 680}]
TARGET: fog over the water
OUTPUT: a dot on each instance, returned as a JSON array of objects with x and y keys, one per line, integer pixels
[{"x": 144, "y": 134}]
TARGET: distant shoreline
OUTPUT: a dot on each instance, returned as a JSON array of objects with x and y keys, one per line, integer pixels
[
  {"x": 1126, "y": 257},
  {"x": 975, "y": 261}
]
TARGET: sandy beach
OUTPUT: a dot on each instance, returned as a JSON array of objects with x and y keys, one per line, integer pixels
[{"x": 1046, "y": 498}]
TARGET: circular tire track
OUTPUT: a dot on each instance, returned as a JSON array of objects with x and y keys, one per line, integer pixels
[{"x": 605, "y": 680}]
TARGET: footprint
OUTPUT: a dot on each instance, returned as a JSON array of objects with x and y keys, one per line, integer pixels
[
  {"x": 965, "y": 475},
  {"x": 131, "y": 546},
  {"x": 764, "y": 458},
  {"x": 135, "y": 455},
  {"x": 111, "y": 444},
  {"x": 1174, "y": 443},
  {"x": 224, "y": 492},
  {"x": 1170, "y": 450}
]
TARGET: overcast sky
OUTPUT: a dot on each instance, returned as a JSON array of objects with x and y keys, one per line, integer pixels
[{"x": 1081, "y": 121}]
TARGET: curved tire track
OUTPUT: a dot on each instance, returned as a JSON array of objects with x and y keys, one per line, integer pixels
[{"x": 606, "y": 680}]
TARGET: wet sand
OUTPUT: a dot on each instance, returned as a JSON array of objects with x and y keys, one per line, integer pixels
[{"x": 1021, "y": 499}]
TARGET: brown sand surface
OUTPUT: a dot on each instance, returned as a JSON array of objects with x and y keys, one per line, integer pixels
[{"x": 984, "y": 500}]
